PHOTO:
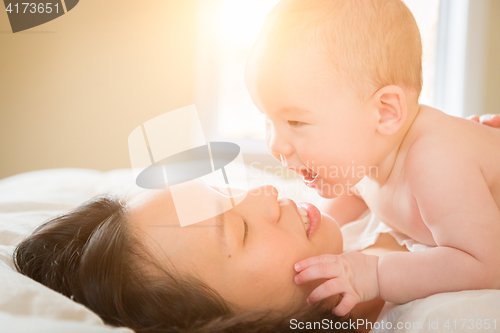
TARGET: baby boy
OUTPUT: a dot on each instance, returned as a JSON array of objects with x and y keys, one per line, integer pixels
[{"x": 339, "y": 82}]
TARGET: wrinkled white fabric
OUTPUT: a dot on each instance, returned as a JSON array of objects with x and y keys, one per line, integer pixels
[
  {"x": 362, "y": 233},
  {"x": 464, "y": 311}
]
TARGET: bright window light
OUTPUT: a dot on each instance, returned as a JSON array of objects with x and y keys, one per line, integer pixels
[{"x": 239, "y": 24}]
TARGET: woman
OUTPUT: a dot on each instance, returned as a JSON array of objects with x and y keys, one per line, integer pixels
[{"x": 134, "y": 266}]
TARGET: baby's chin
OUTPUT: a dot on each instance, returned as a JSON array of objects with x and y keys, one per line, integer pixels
[
  {"x": 327, "y": 190},
  {"x": 326, "y": 194}
]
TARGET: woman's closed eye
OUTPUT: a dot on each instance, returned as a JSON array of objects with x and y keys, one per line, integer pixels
[{"x": 245, "y": 234}]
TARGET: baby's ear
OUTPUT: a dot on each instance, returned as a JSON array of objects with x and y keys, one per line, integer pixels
[{"x": 389, "y": 103}]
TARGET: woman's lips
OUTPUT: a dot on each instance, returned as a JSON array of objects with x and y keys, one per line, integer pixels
[{"x": 314, "y": 216}]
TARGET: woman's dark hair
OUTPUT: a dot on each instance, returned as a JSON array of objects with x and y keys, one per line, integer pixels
[{"x": 91, "y": 255}]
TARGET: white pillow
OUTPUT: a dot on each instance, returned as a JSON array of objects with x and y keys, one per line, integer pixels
[
  {"x": 27, "y": 306},
  {"x": 26, "y": 201},
  {"x": 463, "y": 311}
]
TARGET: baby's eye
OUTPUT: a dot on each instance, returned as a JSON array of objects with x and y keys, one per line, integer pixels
[{"x": 295, "y": 123}]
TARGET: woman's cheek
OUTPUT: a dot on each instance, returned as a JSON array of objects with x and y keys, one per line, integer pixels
[{"x": 274, "y": 255}]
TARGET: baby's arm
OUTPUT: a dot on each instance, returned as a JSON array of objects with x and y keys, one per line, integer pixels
[{"x": 456, "y": 205}]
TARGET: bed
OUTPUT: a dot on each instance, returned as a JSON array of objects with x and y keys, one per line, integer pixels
[{"x": 29, "y": 199}]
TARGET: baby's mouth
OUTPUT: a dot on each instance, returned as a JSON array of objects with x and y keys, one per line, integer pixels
[{"x": 309, "y": 175}]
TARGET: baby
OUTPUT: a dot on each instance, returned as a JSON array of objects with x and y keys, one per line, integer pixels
[{"x": 339, "y": 82}]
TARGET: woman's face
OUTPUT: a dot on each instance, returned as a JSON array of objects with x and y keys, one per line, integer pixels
[{"x": 253, "y": 271}]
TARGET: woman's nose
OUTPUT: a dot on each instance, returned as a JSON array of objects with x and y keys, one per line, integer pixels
[
  {"x": 267, "y": 202},
  {"x": 263, "y": 196},
  {"x": 268, "y": 191}
]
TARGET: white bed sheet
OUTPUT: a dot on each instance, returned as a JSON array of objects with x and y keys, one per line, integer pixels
[
  {"x": 26, "y": 201},
  {"x": 29, "y": 199}
]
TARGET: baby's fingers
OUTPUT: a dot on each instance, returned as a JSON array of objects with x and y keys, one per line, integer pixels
[
  {"x": 346, "y": 304},
  {"x": 491, "y": 120},
  {"x": 473, "y": 118},
  {"x": 328, "y": 270},
  {"x": 322, "y": 259},
  {"x": 327, "y": 289}
]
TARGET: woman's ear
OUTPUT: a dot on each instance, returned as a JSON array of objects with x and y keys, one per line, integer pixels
[{"x": 389, "y": 103}]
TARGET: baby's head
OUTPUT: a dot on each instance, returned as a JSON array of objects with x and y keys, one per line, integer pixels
[{"x": 339, "y": 82}]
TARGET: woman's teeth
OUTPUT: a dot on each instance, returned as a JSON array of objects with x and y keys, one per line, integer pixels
[{"x": 305, "y": 218}]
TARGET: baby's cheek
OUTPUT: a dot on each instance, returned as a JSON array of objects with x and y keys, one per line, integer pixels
[{"x": 268, "y": 135}]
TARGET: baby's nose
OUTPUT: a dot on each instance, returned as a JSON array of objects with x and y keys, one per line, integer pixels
[{"x": 277, "y": 145}]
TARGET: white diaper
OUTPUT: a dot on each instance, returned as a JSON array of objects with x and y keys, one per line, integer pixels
[{"x": 364, "y": 232}]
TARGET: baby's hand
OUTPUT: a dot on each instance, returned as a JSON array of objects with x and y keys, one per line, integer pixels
[
  {"x": 353, "y": 275},
  {"x": 492, "y": 120}
]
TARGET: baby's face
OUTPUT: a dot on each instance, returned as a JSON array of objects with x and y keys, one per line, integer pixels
[
  {"x": 248, "y": 258},
  {"x": 315, "y": 128}
]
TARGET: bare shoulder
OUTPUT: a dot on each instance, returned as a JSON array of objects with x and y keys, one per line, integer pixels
[
  {"x": 438, "y": 144},
  {"x": 443, "y": 145},
  {"x": 435, "y": 124}
]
